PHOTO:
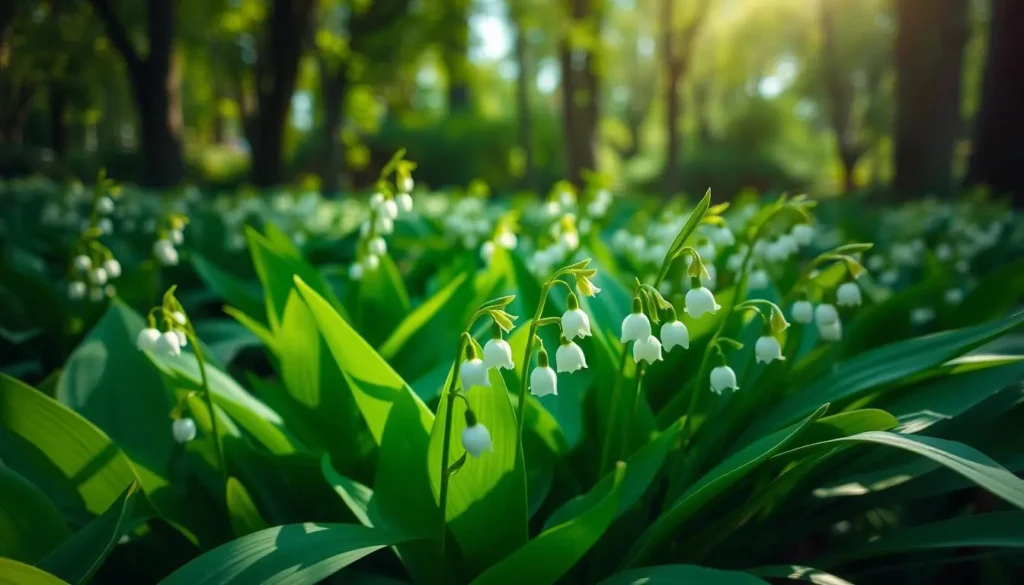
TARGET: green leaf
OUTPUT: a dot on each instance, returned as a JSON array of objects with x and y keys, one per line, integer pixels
[
  {"x": 257, "y": 328},
  {"x": 87, "y": 469},
  {"x": 30, "y": 525},
  {"x": 245, "y": 518},
  {"x": 642, "y": 469},
  {"x": 681, "y": 575},
  {"x": 80, "y": 556},
  {"x": 996, "y": 529},
  {"x": 799, "y": 573},
  {"x": 716, "y": 481},
  {"x": 544, "y": 559},
  {"x": 296, "y": 554},
  {"x": 691, "y": 224},
  {"x": 230, "y": 288},
  {"x": 487, "y": 491},
  {"x": 381, "y": 301},
  {"x": 883, "y": 366},
  {"x": 13, "y": 572},
  {"x": 356, "y": 496},
  {"x": 399, "y": 423},
  {"x": 958, "y": 457}
]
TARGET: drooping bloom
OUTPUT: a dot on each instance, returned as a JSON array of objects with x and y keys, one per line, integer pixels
[
  {"x": 543, "y": 380},
  {"x": 105, "y": 205},
  {"x": 355, "y": 271},
  {"x": 165, "y": 252},
  {"x": 825, "y": 314},
  {"x": 98, "y": 276},
  {"x": 168, "y": 344},
  {"x": 803, "y": 233},
  {"x": 675, "y": 333},
  {"x": 647, "y": 349},
  {"x": 700, "y": 301},
  {"x": 183, "y": 429},
  {"x": 831, "y": 331},
  {"x": 76, "y": 290},
  {"x": 848, "y": 295},
  {"x": 473, "y": 371},
  {"x": 498, "y": 354},
  {"x": 476, "y": 439},
  {"x": 723, "y": 378},
  {"x": 758, "y": 280},
  {"x": 767, "y": 350},
  {"x": 377, "y": 246},
  {"x": 569, "y": 357},
  {"x": 803, "y": 312},
  {"x": 82, "y": 263},
  {"x": 112, "y": 267},
  {"x": 575, "y": 323},
  {"x": 371, "y": 262},
  {"x": 147, "y": 338},
  {"x": 404, "y": 201},
  {"x": 636, "y": 325}
]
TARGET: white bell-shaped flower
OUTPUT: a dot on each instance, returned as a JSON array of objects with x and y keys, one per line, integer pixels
[
  {"x": 487, "y": 251},
  {"x": 82, "y": 263},
  {"x": 803, "y": 312},
  {"x": 569, "y": 357},
  {"x": 384, "y": 224},
  {"x": 825, "y": 314},
  {"x": 177, "y": 237},
  {"x": 675, "y": 333},
  {"x": 723, "y": 378},
  {"x": 112, "y": 267},
  {"x": 168, "y": 344},
  {"x": 165, "y": 252},
  {"x": 76, "y": 290},
  {"x": 473, "y": 371},
  {"x": 405, "y": 184},
  {"x": 182, "y": 338},
  {"x": 700, "y": 301},
  {"x": 953, "y": 296},
  {"x": 98, "y": 276},
  {"x": 404, "y": 202},
  {"x": 183, "y": 430},
  {"x": 831, "y": 331},
  {"x": 636, "y": 325},
  {"x": 371, "y": 262},
  {"x": 476, "y": 440},
  {"x": 575, "y": 323},
  {"x": 146, "y": 339},
  {"x": 758, "y": 280},
  {"x": 106, "y": 226},
  {"x": 498, "y": 354},
  {"x": 647, "y": 349},
  {"x": 104, "y": 205},
  {"x": 178, "y": 317},
  {"x": 767, "y": 350},
  {"x": 803, "y": 234},
  {"x": 848, "y": 295},
  {"x": 377, "y": 246},
  {"x": 389, "y": 209},
  {"x": 355, "y": 271},
  {"x": 376, "y": 200},
  {"x": 543, "y": 380}
]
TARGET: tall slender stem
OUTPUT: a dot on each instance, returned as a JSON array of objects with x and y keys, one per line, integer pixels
[
  {"x": 525, "y": 377},
  {"x": 208, "y": 398},
  {"x": 627, "y": 438},
  {"x": 447, "y": 443},
  {"x": 606, "y": 444}
]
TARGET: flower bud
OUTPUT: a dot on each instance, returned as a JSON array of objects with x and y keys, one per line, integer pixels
[
  {"x": 767, "y": 350},
  {"x": 405, "y": 185},
  {"x": 183, "y": 430},
  {"x": 675, "y": 333},
  {"x": 723, "y": 378},
  {"x": 146, "y": 339},
  {"x": 647, "y": 349},
  {"x": 700, "y": 301},
  {"x": 803, "y": 312},
  {"x": 476, "y": 439}
]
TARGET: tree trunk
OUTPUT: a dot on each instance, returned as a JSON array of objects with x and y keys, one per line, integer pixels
[
  {"x": 277, "y": 72},
  {"x": 456, "y": 54},
  {"x": 580, "y": 96},
  {"x": 334, "y": 88},
  {"x": 58, "y": 127},
  {"x": 929, "y": 59},
  {"x": 840, "y": 98},
  {"x": 523, "y": 85},
  {"x": 673, "y": 71},
  {"x": 997, "y": 159}
]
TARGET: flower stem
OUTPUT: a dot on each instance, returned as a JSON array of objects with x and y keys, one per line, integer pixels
[
  {"x": 627, "y": 439},
  {"x": 613, "y": 409},
  {"x": 524, "y": 378},
  {"x": 208, "y": 398},
  {"x": 446, "y": 445}
]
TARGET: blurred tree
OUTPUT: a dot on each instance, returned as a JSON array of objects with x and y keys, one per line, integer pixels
[
  {"x": 285, "y": 34},
  {"x": 930, "y": 40},
  {"x": 677, "y": 38},
  {"x": 522, "y": 25},
  {"x": 580, "y": 57},
  {"x": 997, "y": 160},
  {"x": 453, "y": 32},
  {"x": 154, "y": 80}
]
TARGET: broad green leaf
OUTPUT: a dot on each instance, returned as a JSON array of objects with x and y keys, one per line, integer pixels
[
  {"x": 245, "y": 518},
  {"x": 295, "y": 554},
  {"x": 958, "y": 457},
  {"x": 276, "y": 268},
  {"x": 83, "y": 467},
  {"x": 642, "y": 468},
  {"x": 80, "y": 556},
  {"x": 995, "y": 529},
  {"x": 356, "y": 496},
  {"x": 544, "y": 559},
  {"x": 844, "y": 424},
  {"x": 381, "y": 301},
  {"x": 230, "y": 288},
  {"x": 884, "y": 366},
  {"x": 716, "y": 481},
  {"x": 799, "y": 573},
  {"x": 30, "y": 525},
  {"x": 399, "y": 423},
  {"x": 487, "y": 491},
  {"x": 110, "y": 382},
  {"x": 681, "y": 575},
  {"x": 254, "y": 326},
  {"x": 13, "y": 572}
]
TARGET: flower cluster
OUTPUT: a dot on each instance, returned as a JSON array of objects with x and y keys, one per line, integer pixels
[
  {"x": 385, "y": 204},
  {"x": 93, "y": 265},
  {"x": 170, "y": 234}
]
